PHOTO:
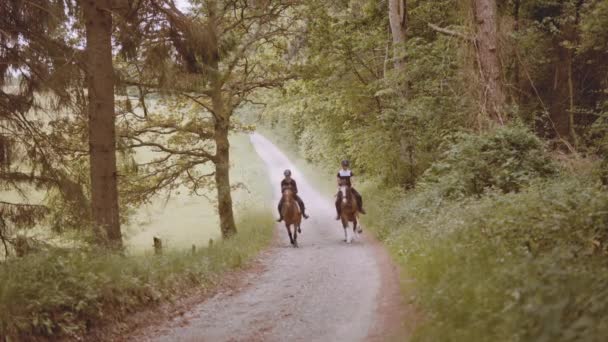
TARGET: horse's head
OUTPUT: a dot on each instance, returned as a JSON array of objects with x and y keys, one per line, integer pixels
[{"x": 345, "y": 190}]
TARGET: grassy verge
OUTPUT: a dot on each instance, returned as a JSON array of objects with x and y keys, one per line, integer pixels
[
  {"x": 64, "y": 293},
  {"x": 528, "y": 265}
]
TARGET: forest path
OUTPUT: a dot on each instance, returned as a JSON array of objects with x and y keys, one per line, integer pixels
[{"x": 325, "y": 290}]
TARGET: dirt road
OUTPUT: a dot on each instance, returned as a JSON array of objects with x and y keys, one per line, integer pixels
[{"x": 323, "y": 291}]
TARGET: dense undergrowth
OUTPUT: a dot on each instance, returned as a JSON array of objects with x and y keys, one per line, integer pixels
[
  {"x": 504, "y": 243},
  {"x": 67, "y": 292},
  {"x": 521, "y": 266}
]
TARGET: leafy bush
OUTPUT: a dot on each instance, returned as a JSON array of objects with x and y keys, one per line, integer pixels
[
  {"x": 527, "y": 266},
  {"x": 507, "y": 159},
  {"x": 66, "y": 292},
  {"x": 525, "y": 262}
]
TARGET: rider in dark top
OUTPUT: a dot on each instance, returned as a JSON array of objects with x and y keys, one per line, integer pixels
[
  {"x": 290, "y": 182},
  {"x": 344, "y": 175}
]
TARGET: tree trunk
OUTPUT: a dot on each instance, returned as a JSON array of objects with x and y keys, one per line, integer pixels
[
  {"x": 492, "y": 95},
  {"x": 397, "y": 15},
  {"x": 571, "y": 106},
  {"x": 563, "y": 97},
  {"x": 221, "y": 116},
  {"x": 571, "y": 90},
  {"x": 102, "y": 138},
  {"x": 516, "y": 72},
  {"x": 222, "y": 172},
  {"x": 560, "y": 95},
  {"x": 562, "y": 105}
]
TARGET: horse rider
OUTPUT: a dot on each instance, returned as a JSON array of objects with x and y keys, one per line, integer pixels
[
  {"x": 344, "y": 177},
  {"x": 289, "y": 182}
]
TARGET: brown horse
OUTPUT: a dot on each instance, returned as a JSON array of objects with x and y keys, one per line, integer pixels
[
  {"x": 349, "y": 212},
  {"x": 292, "y": 215}
]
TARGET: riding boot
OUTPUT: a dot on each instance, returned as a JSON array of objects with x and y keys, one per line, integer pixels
[
  {"x": 360, "y": 204},
  {"x": 301, "y": 204},
  {"x": 280, "y": 207},
  {"x": 338, "y": 206},
  {"x": 359, "y": 201}
]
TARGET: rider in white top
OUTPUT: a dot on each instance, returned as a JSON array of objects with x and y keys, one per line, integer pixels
[{"x": 345, "y": 175}]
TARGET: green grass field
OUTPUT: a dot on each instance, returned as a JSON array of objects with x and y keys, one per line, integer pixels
[
  {"x": 64, "y": 292},
  {"x": 185, "y": 219}
]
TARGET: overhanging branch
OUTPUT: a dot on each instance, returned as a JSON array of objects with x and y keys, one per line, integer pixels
[{"x": 452, "y": 33}]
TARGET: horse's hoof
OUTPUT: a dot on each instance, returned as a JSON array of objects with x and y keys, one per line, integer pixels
[{"x": 299, "y": 231}]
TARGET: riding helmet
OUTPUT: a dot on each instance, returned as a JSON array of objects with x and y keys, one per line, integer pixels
[
  {"x": 345, "y": 162},
  {"x": 287, "y": 173}
]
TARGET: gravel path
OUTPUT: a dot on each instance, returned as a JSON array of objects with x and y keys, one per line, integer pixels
[{"x": 323, "y": 291}]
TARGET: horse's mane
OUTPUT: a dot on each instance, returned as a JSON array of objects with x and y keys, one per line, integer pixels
[
  {"x": 350, "y": 195},
  {"x": 289, "y": 205},
  {"x": 288, "y": 192}
]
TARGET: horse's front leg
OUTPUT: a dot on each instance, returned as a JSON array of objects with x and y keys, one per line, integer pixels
[
  {"x": 347, "y": 236},
  {"x": 289, "y": 233},
  {"x": 355, "y": 229},
  {"x": 295, "y": 235}
]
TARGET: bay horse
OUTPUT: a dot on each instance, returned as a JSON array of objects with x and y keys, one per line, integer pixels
[
  {"x": 349, "y": 211},
  {"x": 292, "y": 215}
]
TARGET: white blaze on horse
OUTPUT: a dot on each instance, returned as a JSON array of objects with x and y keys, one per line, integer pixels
[
  {"x": 292, "y": 215},
  {"x": 349, "y": 213}
]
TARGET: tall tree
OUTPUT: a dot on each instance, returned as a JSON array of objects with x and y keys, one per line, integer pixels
[
  {"x": 562, "y": 103},
  {"x": 486, "y": 23},
  {"x": 397, "y": 15},
  {"x": 102, "y": 136},
  {"x": 38, "y": 62},
  {"x": 213, "y": 61},
  {"x": 221, "y": 116}
]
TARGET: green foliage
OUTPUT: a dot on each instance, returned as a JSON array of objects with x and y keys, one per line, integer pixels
[
  {"x": 527, "y": 266},
  {"x": 556, "y": 42},
  {"x": 344, "y": 107},
  {"x": 506, "y": 159},
  {"x": 66, "y": 292},
  {"x": 594, "y": 27},
  {"x": 502, "y": 242}
]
